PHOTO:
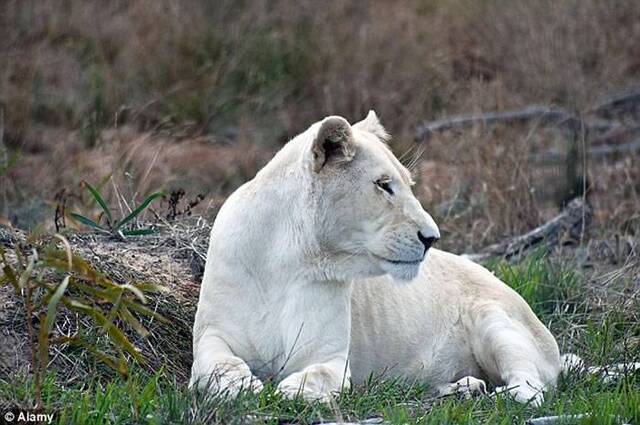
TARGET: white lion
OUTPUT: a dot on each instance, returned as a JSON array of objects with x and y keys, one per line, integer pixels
[{"x": 316, "y": 276}]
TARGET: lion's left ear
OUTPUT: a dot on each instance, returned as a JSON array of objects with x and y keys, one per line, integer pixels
[
  {"x": 372, "y": 124},
  {"x": 333, "y": 143}
]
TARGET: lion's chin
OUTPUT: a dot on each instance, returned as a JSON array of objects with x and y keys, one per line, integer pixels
[{"x": 404, "y": 272}]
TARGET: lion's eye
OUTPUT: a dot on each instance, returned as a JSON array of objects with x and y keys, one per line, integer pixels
[{"x": 384, "y": 183}]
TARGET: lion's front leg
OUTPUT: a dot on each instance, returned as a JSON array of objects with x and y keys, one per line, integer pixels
[
  {"x": 218, "y": 371},
  {"x": 317, "y": 382}
]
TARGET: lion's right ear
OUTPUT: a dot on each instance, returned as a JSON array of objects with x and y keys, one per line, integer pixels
[
  {"x": 334, "y": 143},
  {"x": 372, "y": 124}
]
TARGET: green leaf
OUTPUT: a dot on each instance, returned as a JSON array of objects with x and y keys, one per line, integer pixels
[
  {"x": 100, "y": 201},
  {"x": 139, "y": 232},
  {"x": 139, "y": 209},
  {"x": 86, "y": 221},
  {"x": 52, "y": 307}
]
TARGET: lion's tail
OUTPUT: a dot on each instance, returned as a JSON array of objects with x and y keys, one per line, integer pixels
[
  {"x": 570, "y": 362},
  {"x": 574, "y": 362}
]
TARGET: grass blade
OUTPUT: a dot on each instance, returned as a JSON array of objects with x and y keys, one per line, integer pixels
[
  {"x": 146, "y": 311},
  {"x": 86, "y": 221},
  {"x": 133, "y": 322},
  {"x": 77, "y": 341},
  {"x": 139, "y": 232},
  {"x": 52, "y": 307},
  {"x": 136, "y": 291},
  {"x": 26, "y": 275},
  {"x": 10, "y": 276},
  {"x": 139, "y": 209},
  {"x": 43, "y": 345},
  {"x": 100, "y": 201},
  {"x": 115, "y": 334}
]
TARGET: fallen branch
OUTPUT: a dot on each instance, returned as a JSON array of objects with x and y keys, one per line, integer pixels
[
  {"x": 544, "y": 115},
  {"x": 627, "y": 103},
  {"x": 570, "y": 221}
]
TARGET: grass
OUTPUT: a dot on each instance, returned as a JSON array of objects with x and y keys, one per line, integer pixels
[
  {"x": 558, "y": 293},
  {"x": 156, "y": 399}
]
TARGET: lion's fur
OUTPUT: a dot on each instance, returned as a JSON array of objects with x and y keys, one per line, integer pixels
[{"x": 314, "y": 278}]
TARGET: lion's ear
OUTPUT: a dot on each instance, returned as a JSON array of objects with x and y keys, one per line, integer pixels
[
  {"x": 334, "y": 143},
  {"x": 372, "y": 124}
]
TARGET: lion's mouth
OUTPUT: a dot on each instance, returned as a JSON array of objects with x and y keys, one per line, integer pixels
[{"x": 401, "y": 262}]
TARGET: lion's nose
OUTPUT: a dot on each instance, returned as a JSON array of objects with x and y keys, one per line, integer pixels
[{"x": 427, "y": 241}]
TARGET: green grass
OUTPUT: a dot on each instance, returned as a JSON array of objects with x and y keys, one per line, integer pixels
[
  {"x": 155, "y": 399},
  {"x": 557, "y": 292},
  {"x": 549, "y": 288}
]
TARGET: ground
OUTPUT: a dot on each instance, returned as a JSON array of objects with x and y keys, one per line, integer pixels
[{"x": 592, "y": 313}]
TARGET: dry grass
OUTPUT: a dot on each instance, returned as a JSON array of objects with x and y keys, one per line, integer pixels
[
  {"x": 296, "y": 61},
  {"x": 158, "y": 95}
]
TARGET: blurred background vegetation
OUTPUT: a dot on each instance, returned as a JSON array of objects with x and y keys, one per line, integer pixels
[{"x": 194, "y": 97}]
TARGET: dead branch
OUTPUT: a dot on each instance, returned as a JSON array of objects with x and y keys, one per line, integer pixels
[
  {"x": 624, "y": 104},
  {"x": 567, "y": 225},
  {"x": 544, "y": 115}
]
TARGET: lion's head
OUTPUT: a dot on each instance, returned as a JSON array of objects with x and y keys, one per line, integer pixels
[{"x": 365, "y": 213}]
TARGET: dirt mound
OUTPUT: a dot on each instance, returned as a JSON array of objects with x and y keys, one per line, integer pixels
[{"x": 173, "y": 258}]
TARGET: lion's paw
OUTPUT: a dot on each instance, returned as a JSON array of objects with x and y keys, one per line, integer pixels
[
  {"x": 291, "y": 390},
  {"x": 228, "y": 384},
  {"x": 466, "y": 387},
  {"x": 525, "y": 393}
]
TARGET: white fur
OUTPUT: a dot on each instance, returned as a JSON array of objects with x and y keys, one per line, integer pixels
[{"x": 298, "y": 285}]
